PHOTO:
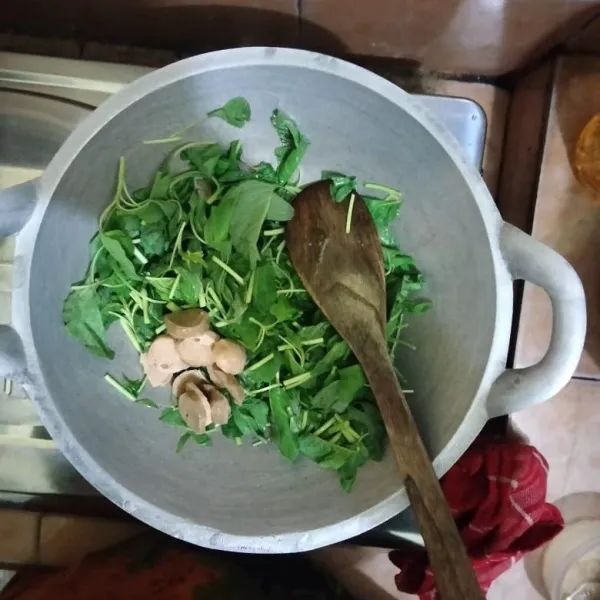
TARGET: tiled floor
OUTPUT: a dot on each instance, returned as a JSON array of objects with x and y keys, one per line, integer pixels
[{"x": 566, "y": 217}]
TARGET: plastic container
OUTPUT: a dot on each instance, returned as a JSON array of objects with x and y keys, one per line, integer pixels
[
  {"x": 571, "y": 563},
  {"x": 586, "y": 156}
]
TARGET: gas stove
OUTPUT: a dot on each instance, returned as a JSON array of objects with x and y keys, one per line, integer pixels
[{"x": 41, "y": 100}]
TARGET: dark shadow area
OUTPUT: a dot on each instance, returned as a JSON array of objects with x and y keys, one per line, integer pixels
[
  {"x": 517, "y": 26},
  {"x": 184, "y": 29}
]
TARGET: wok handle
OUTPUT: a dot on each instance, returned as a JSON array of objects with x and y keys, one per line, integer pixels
[
  {"x": 16, "y": 206},
  {"x": 528, "y": 259}
]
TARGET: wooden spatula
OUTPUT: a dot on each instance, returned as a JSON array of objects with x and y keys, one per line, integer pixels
[{"x": 343, "y": 272}]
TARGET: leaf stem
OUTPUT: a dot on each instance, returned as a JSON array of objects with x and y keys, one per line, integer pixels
[
  {"x": 392, "y": 193},
  {"x": 168, "y": 140},
  {"x": 228, "y": 269},
  {"x": 119, "y": 387},
  {"x": 260, "y": 363},
  {"x": 143, "y": 260},
  {"x": 273, "y": 232},
  {"x": 293, "y": 382},
  {"x": 174, "y": 286},
  {"x": 324, "y": 427},
  {"x": 129, "y": 332},
  {"x": 350, "y": 211}
]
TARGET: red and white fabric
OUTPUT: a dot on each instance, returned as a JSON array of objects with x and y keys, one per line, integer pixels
[{"x": 497, "y": 495}]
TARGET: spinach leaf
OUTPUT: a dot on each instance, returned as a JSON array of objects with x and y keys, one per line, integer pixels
[
  {"x": 341, "y": 185},
  {"x": 265, "y": 172},
  {"x": 293, "y": 145},
  {"x": 154, "y": 240},
  {"x": 349, "y": 469},
  {"x": 188, "y": 288},
  {"x": 83, "y": 320},
  {"x": 384, "y": 213},
  {"x": 203, "y": 158},
  {"x": 252, "y": 201},
  {"x": 327, "y": 396},
  {"x": 264, "y": 294},
  {"x": 115, "y": 249},
  {"x": 366, "y": 420},
  {"x": 218, "y": 224},
  {"x": 183, "y": 440},
  {"x": 283, "y": 437},
  {"x": 172, "y": 416},
  {"x": 236, "y": 112},
  {"x": 351, "y": 382}
]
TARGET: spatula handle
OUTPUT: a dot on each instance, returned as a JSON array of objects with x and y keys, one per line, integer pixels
[{"x": 451, "y": 566}]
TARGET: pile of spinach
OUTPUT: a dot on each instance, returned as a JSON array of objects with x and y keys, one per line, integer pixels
[{"x": 208, "y": 232}]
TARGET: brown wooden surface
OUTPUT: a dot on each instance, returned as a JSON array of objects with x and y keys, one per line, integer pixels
[
  {"x": 456, "y": 36},
  {"x": 344, "y": 275}
]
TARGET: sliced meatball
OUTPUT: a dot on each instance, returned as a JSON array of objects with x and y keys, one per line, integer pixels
[
  {"x": 219, "y": 405},
  {"x": 162, "y": 361},
  {"x": 229, "y": 356},
  {"x": 156, "y": 377},
  {"x": 197, "y": 351},
  {"x": 195, "y": 409},
  {"x": 180, "y": 382},
  {"x": 228, "y": 382},
  {"x": 187, "y": 323}
]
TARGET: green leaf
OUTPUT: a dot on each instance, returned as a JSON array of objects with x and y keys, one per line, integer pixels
[
  {"x": 337, "y": 353},
  {"x": 250, "y": 208},
  {"x": 394, "y": 259},
  {"x": 172, "y": 416},
  {"x": 283, "y": 310},
  {"x": 350, "y": 468},
  {"x": 218, "y": 225},
  {"x": 83, "y": 320},
  {"x": 314, "y": 447},
  {"x": 162, "y": 285},
  {"x": 417, "y": 306},
  {"x": 267, "y": 372},
  {"x": 365, "y": 418},
  {"x": 264, "y": 292},
  {"x": 265, "y": 172},
  {"x": 160, "y": 186},
  {"x": 236, "y": 112},
  {"x": 352, "y": 381},
  {"x": 203, "y": 157},
  {"x": 325, "y": 454},
  {"x": 259, "y": 411},
  {"x": 189, "y": 287},
  {"x": 341, "y": 185},
  {"x": 202, "y": 439},
  {"x": 327, "y": 396},
  {"x": 115, "y": 249},
  {"x": 293, "y": 145},
  {"x": 283, "y": 437},
  {"x": 384, "y": 213},
  {"x": 146, "y": 402},
  {"x": 183, "y": 440},
  {"x": 279, "y": 209},
  {"x": 244, "y": 421},
  {"x": 153, "y": 240}
]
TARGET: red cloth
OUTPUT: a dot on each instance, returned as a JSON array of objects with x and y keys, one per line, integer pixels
[{"x": 497, "y": 494}]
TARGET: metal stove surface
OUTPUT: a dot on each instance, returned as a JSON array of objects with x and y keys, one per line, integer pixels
[{"x": 41, "y": 100}]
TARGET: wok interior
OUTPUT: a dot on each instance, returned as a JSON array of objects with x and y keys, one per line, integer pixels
[{"x": 254, "y": 491}]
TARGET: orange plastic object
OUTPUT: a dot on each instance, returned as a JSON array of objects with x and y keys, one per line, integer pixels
[{"x": 586, "y": 157}]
